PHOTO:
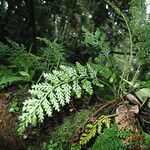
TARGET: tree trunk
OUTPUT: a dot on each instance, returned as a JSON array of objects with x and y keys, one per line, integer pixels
[{"x": 30, "y": 7}]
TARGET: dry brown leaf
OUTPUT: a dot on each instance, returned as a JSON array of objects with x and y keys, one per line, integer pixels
[
  {"x": 133, "y": 99},
  {"x": 126, "y": 120}
]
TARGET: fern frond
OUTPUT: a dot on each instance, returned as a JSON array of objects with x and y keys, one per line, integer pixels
[
  {"x": 4, "y": 50},
  {"x": 90, "y": 132},
  {"x": 110, "y": 139},
  {"x": 93, "y": 129},
  {"x": 55, "y": 92},
  {"x": 7, "y": 77},
  {"x": 97, "y": 40},
  {"x": 52, "y": 54}
]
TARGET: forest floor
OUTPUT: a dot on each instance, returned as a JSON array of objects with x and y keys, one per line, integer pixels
[{"x": 9, "y": 139}]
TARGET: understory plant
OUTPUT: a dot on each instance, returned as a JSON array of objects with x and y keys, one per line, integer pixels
[
  {"x": 110, "y": 139},
  {"x": 56, "y": 91},
  {"x": 107, "y": 73},
  {"x": 20, "y": 65},
  {"x": 59, "y": 85}
]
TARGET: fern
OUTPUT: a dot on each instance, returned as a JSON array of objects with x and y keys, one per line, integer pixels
[
  {"x": 147, "y": 140},
  {"x": 10, "y": 51},
  {"x": 52, "y": 54},
  {"x": 110, "y": 139},
  {"x": 76, "y": 146},
  {"x": 19, "y": 65},
  {"x": 26, "y": 62},
  {"x": 15, "y": 49},
  {"x": 22, "y": 65},
  {"x": 143, "y": 45},
  {"x": 56, "y": 92},
  {"x": 93, "y": 129},
  {"x": 138, "y": 12},
  {"x": 3, "y": 50},
  {"x": 97, "y": 40},
  {"x": 7, "y": 77}
]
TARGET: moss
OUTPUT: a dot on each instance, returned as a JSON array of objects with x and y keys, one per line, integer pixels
[{"x": 62, "y": 133}]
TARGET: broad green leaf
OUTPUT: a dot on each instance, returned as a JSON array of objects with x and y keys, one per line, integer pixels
[{"x": 143, "y": 93}]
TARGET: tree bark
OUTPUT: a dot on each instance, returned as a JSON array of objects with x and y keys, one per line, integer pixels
[{"x": 30, "y": 7}]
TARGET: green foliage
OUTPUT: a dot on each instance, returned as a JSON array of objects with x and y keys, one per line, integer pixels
[
  {"x": 26, "y": 62},
  {"x": 21, "y": 65},
  {"x": 140, "y": 28},
  {"x": 52, "y": 55},
  {"x": 109, "y": 71},
  {"x": 49, "y": 146},
  {"x": 143, "y": 94},
  {"x": 93, "y": 129},
  {"x": 143, "y": 45},
  {"x": 3, "y": 51},
  {"x": 76, "y": 146},
  {"x": 110, "y": 139},
  {"x": 97, "y": 40},
  {"x": 15, "y": 49},
  {"x": 10, "y": 51},
  {"x": 124, "y": 62},
  {"x": 56, "y": 92},
  {"x": 147, "y": 140},
  {"x": 17, "y": 63},
  {"x": 22, "y": 60},
  {"x": 61, "y": 133},
  {"x": 138, "y": 12},
  {"x": 7, "y": 77},
  {"x": 14, "y": 107},
  {"x": 59, "y": 85}
]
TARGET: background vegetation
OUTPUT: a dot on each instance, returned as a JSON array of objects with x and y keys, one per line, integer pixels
[{"x": 64, "y": 68}]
